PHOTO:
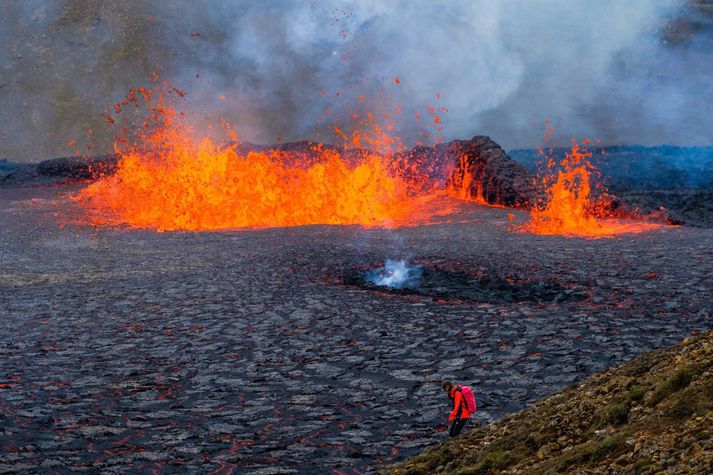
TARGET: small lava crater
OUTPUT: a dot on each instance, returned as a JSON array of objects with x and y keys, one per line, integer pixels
[{"x": 441, "y": 284}]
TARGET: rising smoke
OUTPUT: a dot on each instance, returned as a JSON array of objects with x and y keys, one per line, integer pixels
[{"x": 634, "y": 71}]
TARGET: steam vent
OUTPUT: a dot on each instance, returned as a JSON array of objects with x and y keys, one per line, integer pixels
[{"x": 356, "y": 237}]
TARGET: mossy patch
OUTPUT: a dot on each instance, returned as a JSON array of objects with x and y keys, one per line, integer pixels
[
  {"x": 590, "y": 452},
  {"x": 496, "y": 460},
  {"x": 615, "y": 415},
  {"x": 606, "y": 447},
  {"x": 617, "y": 412},
  {"x": 679, "y": 380},
  {"x": 634, "y": 394},
  {"x": 643, "y": 465}
]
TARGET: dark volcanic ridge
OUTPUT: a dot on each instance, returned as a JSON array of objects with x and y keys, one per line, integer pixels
[
  {"x": 687, "y": 207},
  {"x": 634, "y": 167},
  {"x": 671, "y": 184},
  {"x": 63, "y": 170},
  {"x": 448, "y": 286}
]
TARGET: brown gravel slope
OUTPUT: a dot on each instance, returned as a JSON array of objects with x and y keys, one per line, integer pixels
[{"x": 651, "y": 415}]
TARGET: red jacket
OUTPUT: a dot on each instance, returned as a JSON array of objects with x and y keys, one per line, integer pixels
[{"x": 460, "y": 407}]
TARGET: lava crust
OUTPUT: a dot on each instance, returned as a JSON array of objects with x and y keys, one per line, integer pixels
[
  {"x": 441, "y": 285},
  {"x": 127, "y": 351}
]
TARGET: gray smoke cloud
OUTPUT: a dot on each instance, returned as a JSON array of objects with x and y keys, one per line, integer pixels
[{"x": 633, "y": 72}]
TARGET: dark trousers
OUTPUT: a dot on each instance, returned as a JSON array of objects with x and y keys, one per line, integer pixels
[{"x": 456, "y": 427}]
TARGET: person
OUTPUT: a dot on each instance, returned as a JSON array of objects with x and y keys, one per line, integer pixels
[{"x": 459, "y": 415}]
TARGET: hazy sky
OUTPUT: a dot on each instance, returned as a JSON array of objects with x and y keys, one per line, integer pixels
[{"x": 633, "y": 72}]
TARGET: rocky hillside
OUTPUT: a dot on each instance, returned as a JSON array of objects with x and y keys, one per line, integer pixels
[{"x": 651, "y": 415}]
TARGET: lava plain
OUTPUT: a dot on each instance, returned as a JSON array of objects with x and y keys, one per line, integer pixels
[{"x": 129, "y": 350}]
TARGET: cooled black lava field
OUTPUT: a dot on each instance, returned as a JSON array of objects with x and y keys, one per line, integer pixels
[{"x": 259, "y": 352}]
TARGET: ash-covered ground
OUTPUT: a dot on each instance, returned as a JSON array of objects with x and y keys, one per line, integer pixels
[{"x": 127, "y": 350}]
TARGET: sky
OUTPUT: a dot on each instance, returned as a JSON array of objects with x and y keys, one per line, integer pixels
[{"x": 620, "y": 72}]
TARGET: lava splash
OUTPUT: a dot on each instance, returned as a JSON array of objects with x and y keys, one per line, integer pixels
[
  {"x": 176, "y": 184},
  {"x": 570, "y": 207}
]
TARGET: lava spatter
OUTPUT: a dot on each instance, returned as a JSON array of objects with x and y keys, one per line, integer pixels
[
  {"x": 167, "y": 180},
  {"x": 570, "y": 207}
]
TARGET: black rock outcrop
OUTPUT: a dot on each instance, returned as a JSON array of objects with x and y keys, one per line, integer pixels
[
  {"x": 62, "y": 170},
  {"x": 496, "y": 177}
]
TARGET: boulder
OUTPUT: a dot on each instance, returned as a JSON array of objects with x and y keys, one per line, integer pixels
[{"x": 496, "y": 177}]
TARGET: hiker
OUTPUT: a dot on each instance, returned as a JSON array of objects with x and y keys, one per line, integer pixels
[{"x": 463, "y": 406}]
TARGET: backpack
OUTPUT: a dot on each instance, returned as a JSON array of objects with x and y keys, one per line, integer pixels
[{"x": 469, "y": 398}]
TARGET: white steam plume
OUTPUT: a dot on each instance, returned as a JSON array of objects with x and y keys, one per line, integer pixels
[{"x": 603, "y": 70}]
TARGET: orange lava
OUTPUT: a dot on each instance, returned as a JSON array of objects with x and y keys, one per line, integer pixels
[
  {"x": 167, "y": 181},
  {"x": 461, "y": 184},
  {"x": 570, "y": 208},
  {"x": 206, "y": 187}
]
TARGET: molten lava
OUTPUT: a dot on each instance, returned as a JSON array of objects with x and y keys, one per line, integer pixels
[
  {"x": 462, "y": 183},
  {"x": 166, "y": 180},
  {"x": 570, "y": 208},
  {"x": 183, "y": 186}
]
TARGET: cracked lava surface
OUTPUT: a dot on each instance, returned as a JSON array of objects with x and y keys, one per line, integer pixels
[{"x": 241, "y": 351}]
